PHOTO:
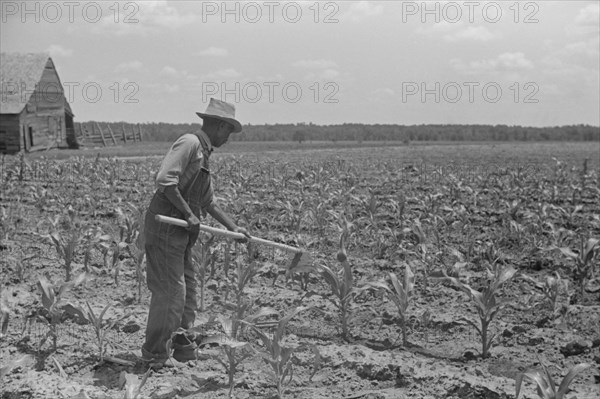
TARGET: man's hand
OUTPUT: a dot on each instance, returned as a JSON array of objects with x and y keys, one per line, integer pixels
[
  {"x": 243, "y": 231},
  {"x": 193, "y": 226}
]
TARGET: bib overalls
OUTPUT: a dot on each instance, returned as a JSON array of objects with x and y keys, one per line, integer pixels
[{"x": 170, "y": 272}]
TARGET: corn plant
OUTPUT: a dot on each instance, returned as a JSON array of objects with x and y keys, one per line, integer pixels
[
  {"x": 118, "y": 250},
  {"x": 318, "y": 213},
  {"x": 93, "y": 238},
  {"x": 550, "y": 290},
  {"x": 584, "y": 265},
  {"x": 486, "y": 302},
  {"x": 232, "y": 347},
  {"x": 202, "y": 257},
  {"x": 300, "y": 269},
  {"x": 243, "y": 274},
  {"x": 138, "y": 250},
  {"x": 130, "y": 226},
  {"x": 66, "y": 247},
  {"x": 52, "y": 300},
  {"x": 546, "y": 387},
  {"x": 400, "y": 294},
  {"x": 279, "y": 356},
  {"x": 101, "y": 326},
  {"x": 292, "y": 215},
  {"x": 20, "y": 262},
  {"x": 342, "y": 283},
  {"x": 422, "y": 250}
]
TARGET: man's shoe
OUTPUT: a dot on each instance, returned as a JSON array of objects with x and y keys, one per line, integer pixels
[
  {"x": 184, "y": 349},
  {"x": 185, "y": 355}
]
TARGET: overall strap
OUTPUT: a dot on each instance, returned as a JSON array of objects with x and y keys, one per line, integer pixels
[{"x": 205, "y": 150}]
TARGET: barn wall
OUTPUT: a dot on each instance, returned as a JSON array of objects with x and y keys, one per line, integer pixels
[
  {"x": 70, "y": 129},
  {"x": 46, "y": 129},
  {"x": 45, "y": 112},
  {"x": 10, "y": 139}
]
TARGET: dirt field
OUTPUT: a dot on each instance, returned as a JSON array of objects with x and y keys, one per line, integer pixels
[{"x": 454, "y": 217}]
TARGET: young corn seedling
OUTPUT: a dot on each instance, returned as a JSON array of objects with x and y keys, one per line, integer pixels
[
  {"x": 234, "y": 349},
  {"x": 243, "y": 274},
  {"x": 550, "y": 290},
  {"x": 130, "y": 226},
  {"x": 65, "y": 247},
  {"x": 341, "y": 283},
  {"x": 93, "y": 238},
  {"x": 52, "y": 300},
  {"x": 203, "y": 258},
  {"x": 119, "y": 250},
  {"x": 486, "y": 302},
  {"x": 546, "y": 388},
  {"x": 101, "y": 326},
  {"x": 584, "y": 264},
  {"x": 138, "y": 249},
  {"x": 279, "y": 356},
  {"x": 400, "y": 294}
]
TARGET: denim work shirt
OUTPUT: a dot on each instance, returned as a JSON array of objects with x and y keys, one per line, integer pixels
[{"x": 186, "y": 165}]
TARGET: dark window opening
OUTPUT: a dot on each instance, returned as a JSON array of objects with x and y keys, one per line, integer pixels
[{"x": 3, "y": 137}]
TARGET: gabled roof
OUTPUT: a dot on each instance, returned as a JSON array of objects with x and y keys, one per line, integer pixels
[{"x": 23, "y": 72}]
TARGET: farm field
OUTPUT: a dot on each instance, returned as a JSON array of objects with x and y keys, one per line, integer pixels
[{"x": 438, "y": 271}]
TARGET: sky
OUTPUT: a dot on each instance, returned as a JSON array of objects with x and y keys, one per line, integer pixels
[{"x": 529, "y": 63}]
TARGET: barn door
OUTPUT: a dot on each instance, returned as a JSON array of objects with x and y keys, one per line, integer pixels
[{"x": 27, "y": 133}]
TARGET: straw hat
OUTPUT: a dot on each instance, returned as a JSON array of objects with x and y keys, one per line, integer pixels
[{"x": 221, "y": 110}]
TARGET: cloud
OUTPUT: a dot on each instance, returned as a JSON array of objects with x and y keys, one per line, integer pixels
[
  {"x": 169, "y": 71},
  {"x": 213, "y": 52},
  {"x": 142, "y": 18},
  {"x": 172, "y": 88},
  {"x": 586, "y": 23},
  {"x": 163, "y": 88},
  {"x": 577, "y": 60},
  {"x": 58, "y": 50},
  {"x": 514, "y": 61},
  {"x": 161, "y": 14},
  {"x": 578, "y": 54},
  {"x": 226, "y": 73},
  {"x": 381, "y": 95},
  {"x": 326, "y": 74},
  {"x": 362, "y": 9},
  {"x": 503, "y": 62},
  {"x": 455, "y": 32},
  {"x": 129, "y": 66},
  {"x": 315, "y": 64},
  {"x": 589, "y": 15},
  {"x": 473, "y": 33},
  {"x": 588, "y": 48}
]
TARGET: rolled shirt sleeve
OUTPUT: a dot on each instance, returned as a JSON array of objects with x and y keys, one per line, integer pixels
[
  {"x": 182, "y": 152},
  {"x": 186, "y": 166}
]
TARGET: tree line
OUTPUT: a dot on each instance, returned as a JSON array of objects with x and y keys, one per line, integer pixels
[{"x": 362, "y": 132}]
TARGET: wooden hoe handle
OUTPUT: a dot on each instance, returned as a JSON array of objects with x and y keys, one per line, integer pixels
[{"x": 226, "y": 233}]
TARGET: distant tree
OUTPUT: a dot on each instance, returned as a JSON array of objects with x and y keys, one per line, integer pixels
[{"x": 299, "y": 136}]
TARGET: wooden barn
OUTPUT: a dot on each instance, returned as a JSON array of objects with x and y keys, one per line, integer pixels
[{"x": 34, "y": 113}]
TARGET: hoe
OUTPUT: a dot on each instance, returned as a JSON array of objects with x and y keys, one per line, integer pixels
[{"x": 301, "y": 258}]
